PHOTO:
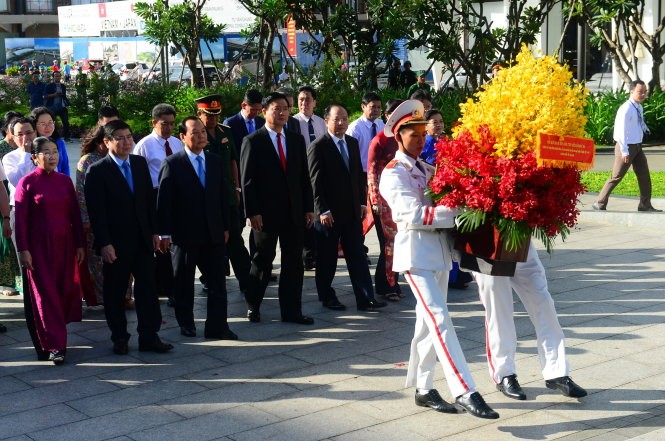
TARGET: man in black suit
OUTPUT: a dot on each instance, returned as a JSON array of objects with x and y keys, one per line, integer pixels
[
  {"x": 336, "y": 172},
  {"x": 278, "y": 201},
  {"x": 193, "y": 219},
  {"x": 121, "y": 206},
  {"x": 247, "y": 120}
]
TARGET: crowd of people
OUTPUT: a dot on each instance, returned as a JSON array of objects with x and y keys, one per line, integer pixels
[{"x": 143, "y": 216}]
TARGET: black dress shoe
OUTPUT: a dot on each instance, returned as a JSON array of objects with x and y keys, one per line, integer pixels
[
  {"x": 567, "y": 387},
  {"x": 476, "y": 406},
  {"x": 433, "y": 400},
  {"x": 302, "y": 320},
  {"x": 371, "y": 305},
  {"x": 511, "y": 388},
  {"x": 227, "y": 334},
  {"x": 156, "y": 345},
  {"x": 309, "y": 266},
  {"x": 188, "y": 331},
  {"x": 649, "y": 209},
  {"x": 121, "y": 347},
  {"x": 334, "y": 304},
  {"x": 253, "y": 316}
]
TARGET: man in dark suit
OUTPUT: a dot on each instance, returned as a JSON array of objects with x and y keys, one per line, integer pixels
[
  {"x": 121, "y": 206},
  {"x": 278, "y": 201},
  {"x": 336, "y": 172},
  {"x": 247, "y": 120},
  {"x": 193, "y": 219}
]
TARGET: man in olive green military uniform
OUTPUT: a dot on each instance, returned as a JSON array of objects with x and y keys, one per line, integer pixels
[{"x": 221, "y": 142}]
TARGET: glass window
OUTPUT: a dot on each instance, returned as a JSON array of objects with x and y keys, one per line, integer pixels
[{"x": 39, "y": 6}]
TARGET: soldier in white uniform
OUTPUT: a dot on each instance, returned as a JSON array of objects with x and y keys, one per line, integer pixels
[
  {"x": 496, "y": 294},
  {"x": 422, "y": 253}
]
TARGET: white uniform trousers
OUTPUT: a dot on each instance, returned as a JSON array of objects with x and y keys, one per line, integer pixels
[
  {"x": 530, "y": 284},
  {"x": 435, "y": 335}
]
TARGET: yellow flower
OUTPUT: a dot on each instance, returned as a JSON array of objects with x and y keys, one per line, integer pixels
[{"x": 534, "y": 95}]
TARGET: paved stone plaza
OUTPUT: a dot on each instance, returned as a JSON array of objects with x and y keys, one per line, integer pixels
[{"x": 343, "y": 378}]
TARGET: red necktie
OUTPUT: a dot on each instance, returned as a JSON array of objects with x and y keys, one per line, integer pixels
[
  {"x": 167, "y": 147},
  {"x": 282, "y": 156}
]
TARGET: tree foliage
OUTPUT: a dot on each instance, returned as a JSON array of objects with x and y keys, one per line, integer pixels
[
  {"x": 619, "y": 26},
  {"x": 182, "y": 25},
  {"x": 459, "y": 32}
]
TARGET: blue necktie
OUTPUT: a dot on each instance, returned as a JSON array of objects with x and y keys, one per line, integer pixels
[
  {"x": 250, "y": 126},
  {"x": 200, "y": 169},
  {"x": 128, "y": 175},
  {"x": 345, "y": 154},
  {"x": 310, "y": 129}
]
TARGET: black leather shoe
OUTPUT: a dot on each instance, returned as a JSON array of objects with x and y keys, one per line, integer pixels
[
  {"x": 121, "y": 347},
  {"x": 649, "y": 209},
  {"x": 302, "y": 320},
  {"x": 597, "y": 207},
  {"x": 227, "y": 334},
  {"x": 188, "y": 331},
  {"x": 511, "y": 388},
  {"x": 567, "y": 387},
  {"x": 371, "y": 305},
  {"x": 333, "y": 304},
  {"x": 253, "y": 316},
  {"x": 433, "y": 400},
  {"x": 156, "y": 345},
  {"x": 476, "y": 406}
]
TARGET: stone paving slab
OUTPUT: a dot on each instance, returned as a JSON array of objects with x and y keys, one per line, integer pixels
[{"x": 343, "y": 378}]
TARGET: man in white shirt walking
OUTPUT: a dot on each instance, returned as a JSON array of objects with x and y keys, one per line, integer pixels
[
  {"x": 629, "y": 129},
  {"x": 311, "y": 126},
  {"x": 155, "y": 148},
  {"x": 365, "y": 128}
]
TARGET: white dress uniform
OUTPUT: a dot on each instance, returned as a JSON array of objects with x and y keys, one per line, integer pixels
[
  {"x": 422, "y": 253},
  {"x": 496, "y": 294}
]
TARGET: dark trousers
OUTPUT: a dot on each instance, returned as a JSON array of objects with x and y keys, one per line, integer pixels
[
  {"x": 163, "y": 272},
  {"x": 210, "y": 259},
  {"x": 42, "y": 355},
  {"x": 235, "y": 247},
  {"x": 641, "y": 168},
  {"x": 291, "y": 275},
  {"x": 64, "y": 117},
  {"x": 309, "y": 247},
  {"x": 380, "y": 280},
  {"x": 140, "y": 263},
  {"x": 349, "y": 234}
]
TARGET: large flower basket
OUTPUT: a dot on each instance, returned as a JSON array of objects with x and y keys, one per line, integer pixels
[{"x": 486, "y": 242}]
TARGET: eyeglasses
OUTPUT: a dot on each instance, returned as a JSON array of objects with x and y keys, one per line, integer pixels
[
  {"x": 46, "y": 124},
  {"x": 123, "y": 138},
  {"x": 48, "y": 154},
  {"x": 24, "y": 134}
]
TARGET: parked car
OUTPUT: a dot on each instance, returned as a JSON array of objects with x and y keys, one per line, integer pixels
[
  {"x": 90, "y": 65},
  {"x": 183, "y": 73}
]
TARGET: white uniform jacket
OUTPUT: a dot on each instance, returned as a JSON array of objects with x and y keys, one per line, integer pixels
[{"x": 418, "y": 244}]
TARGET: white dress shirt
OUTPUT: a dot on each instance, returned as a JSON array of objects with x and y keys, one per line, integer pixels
[
  {"x": 153, "y": 149},
  {"x": 317, "y": 122},
  {"x": 273, "y": 138},
  {"x": 361, "y": 129},
  {"x": 17, "y": 164},
  {"x": 629, "y": 126}
]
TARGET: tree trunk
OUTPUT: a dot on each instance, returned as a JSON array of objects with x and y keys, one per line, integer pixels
[{"x": 268, "y": 74}]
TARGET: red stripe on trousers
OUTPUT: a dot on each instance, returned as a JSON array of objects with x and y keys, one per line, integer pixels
[{"x": 438, "y": 332}]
